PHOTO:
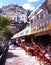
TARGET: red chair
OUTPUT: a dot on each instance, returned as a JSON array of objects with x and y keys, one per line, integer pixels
[
  {"x": 42, "y": 55},
  {"x": 36, "y": 52}
]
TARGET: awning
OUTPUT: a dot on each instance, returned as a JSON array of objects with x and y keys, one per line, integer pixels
[{"x": 25, "y": 32}]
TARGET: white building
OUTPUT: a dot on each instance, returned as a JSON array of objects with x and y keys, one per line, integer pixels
[
  {"x": 14, "y": 17},
  {"x": 23, "y": 17}
]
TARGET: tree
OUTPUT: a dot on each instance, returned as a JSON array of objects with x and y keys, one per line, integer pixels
[
  {"x": 4, "y": 22},
  {"x": 28, "y": 13},
  {"x": 4, "y": 28},
  {"x": 8, "y": 34}
]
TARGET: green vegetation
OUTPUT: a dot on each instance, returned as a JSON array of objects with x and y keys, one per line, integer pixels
[{"x": 5, "y": 32}]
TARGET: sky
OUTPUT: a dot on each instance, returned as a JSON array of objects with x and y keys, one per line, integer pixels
[{"x": 26, "y": 4}]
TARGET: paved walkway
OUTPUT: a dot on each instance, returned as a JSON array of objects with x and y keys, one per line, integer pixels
[{"x": 19, "y": 57}]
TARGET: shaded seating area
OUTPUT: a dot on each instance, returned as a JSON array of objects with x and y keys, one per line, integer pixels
[
  {"x": 41, "y": 51},
  {"x": 37, "y": 45}
]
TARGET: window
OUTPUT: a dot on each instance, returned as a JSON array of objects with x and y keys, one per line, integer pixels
[
  {"x": 41, "y": 15},
  {"x": 49, "y": 9},
  {"x": 35, "y": 18},
  {"x": 14, "y": 18},
  {"x": 45, "y": 12},
  {"x": 31, "y": 21},
  {"x": 38, "y": 16}
]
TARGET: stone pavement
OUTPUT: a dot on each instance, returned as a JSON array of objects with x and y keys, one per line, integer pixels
[{"x": 19, "y": 57}]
